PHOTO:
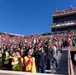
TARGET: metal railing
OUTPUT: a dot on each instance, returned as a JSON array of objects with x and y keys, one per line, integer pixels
[{"x": 70, "y": 64}]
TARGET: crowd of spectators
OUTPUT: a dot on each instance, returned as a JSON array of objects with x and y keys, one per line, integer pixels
[
  {"x": 65, "y": 11},
  {"x": 51, "y": 44}
]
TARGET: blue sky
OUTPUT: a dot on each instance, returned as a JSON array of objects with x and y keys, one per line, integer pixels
[{"x": 29, "y": 16}]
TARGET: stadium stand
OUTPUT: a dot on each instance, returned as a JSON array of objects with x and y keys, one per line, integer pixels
[{"x": 39, "y": 53}]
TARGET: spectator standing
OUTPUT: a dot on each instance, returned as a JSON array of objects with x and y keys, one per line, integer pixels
[
  {"x": 35, "y": 54},
  {"x": 17, "y": 62},
  {"x": 42, "y": 60},
  {"x": 49, "y": 55},
  {"x": 29, "y": 62},
  {"x": 7, "y": 59}
]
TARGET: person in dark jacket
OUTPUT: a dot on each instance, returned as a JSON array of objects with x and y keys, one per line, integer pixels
[
  {"x": 42, "y": 60},
  {"x": 35, "y": 54},
  {"x": 49, "y": 54}
]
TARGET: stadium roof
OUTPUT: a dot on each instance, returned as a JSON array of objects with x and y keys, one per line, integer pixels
[{"x": 64, "y": 12}]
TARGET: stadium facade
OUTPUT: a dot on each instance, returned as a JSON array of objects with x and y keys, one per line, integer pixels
[{"x": 64, "y": 20}]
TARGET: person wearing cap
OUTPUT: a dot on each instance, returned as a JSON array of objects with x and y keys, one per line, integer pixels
[{"x": 29, "y": 62}]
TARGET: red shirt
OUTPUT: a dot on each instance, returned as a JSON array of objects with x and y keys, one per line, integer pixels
[{"x": 68, "y": 42}]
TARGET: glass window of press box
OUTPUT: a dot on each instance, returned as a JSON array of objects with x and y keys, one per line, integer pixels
[
  {"x": 64, "y": 28},
  {"x": 64, "y": 18}
]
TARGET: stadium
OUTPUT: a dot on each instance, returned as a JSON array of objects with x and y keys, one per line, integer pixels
[{"x": 62, "y": 42}]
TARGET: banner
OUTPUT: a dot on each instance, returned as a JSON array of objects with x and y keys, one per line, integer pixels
[{"x": 65, "y": 24}]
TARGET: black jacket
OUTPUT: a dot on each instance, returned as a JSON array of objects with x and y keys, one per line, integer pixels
[
  {"x": 35, "y": 54},
  {"x": 49, "y": 52},
  {"x": 41, "y": 60}
]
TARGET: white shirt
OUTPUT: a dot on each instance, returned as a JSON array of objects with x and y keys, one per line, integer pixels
[{"x": 54, "y": 49}]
